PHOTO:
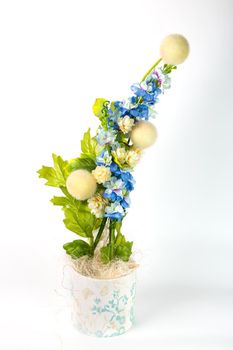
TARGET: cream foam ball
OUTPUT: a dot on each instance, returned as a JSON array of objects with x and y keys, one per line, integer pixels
[
  {"x": 174, "y": 49},
  {"x": 81, "y": 184},
  {"x": 143, "y": 135}
]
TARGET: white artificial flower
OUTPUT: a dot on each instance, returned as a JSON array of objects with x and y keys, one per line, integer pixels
[
  {"x": 97, "y": 205},
  {"x": 120, "y": 154},
  {"x": 101, "y": 174},
  {"x": 133, "y": 157},
  {"x": 125, "y": 124}
]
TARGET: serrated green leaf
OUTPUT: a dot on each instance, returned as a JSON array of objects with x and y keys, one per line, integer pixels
[
  {"x": 62, "y": 201},
  {"x": 49, "y": 174},
  {"x": 124, "y": 250},
  {"x": 80, "y": 220},
  {"x": 100, "y": 110},
  {"x": 88, "y": 145},
  {"x": 120, "y": 239},
  {"x": 120, "y": 249},
  {"x": 105, "y": 253},
  {"x": 56, "y": 176},
  {"x": 77, "y": 248},
  {"x": 98, "y": 107},
  {"x": 82, "y": 163}
]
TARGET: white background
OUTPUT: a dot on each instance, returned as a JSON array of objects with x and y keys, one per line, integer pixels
[{"x": 56, "y": 58}]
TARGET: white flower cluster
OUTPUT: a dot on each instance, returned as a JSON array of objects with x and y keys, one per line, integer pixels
[
  {"x": 125, "y": 124},
  {"x": 101, "y": 174},
  {"x": 97, "y": 205},
  {"x": 130, "y": 157}
]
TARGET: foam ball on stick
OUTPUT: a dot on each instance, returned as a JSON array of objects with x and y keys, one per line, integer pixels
[
  {"x": 174, "y": 49},
  {"x": 81, "y": 184},
  {"x": 143, "y": 135}
]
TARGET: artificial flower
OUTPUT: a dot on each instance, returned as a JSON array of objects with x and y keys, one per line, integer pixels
[
  {"x": 104, "y": 158},
  {"x": 125, "y": 124},
  {"x": 97, "y": 205},
  {"x": 101, "y": 174},
  {"x": 132, "y": 157},
  {"x": 105, "y": 136},
  {"x": 114, "y": 185},
  {"x": 120, "y": 154},
  {"x": 115, "y": 211}
]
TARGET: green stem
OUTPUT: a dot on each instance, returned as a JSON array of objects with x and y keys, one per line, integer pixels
[
  {"x": 111, "y": 237},
  {"x": 91, "y": 240},
  {"x": 150, "y": 70},
  {"x": 99, "y": 234}
]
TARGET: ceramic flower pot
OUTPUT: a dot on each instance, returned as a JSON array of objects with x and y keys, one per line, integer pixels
[{"x": 103, "y": 307}]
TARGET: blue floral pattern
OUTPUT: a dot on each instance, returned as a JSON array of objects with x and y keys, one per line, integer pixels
[{"x": 115, "y": 309}]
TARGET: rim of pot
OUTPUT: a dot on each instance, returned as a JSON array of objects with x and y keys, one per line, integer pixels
[{"x": 105, "y": 279}]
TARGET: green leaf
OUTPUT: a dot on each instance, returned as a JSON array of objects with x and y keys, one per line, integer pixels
[
  {"x": 124, "y": 250},
  {"x": 77, "y": 248},
  {"x": 100, "y": 110},
  {"x": 88, "y": 145},
  {"x": 80, "y": 220},
  {"x": 56, "y": 176},
  {"x": 82, "y": 163},
  {"x": 167, "y": 68},
  {"x": 49, "y": 174},
  {"x": 105, "y": 253},
  {"x": 62, "y": 201},
  {"x": 120, "y": 249},
  {"x": 120, "y": 239},
  {"x": 98, "y": 107},
  {"x": 118, "y": 226}
]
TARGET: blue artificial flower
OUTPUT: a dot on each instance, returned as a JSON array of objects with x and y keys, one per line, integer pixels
[
  {"x": 164, "y": 79},
  {"x": 115, "y": 169},
  {"x": 114, "y": 216},
  {"x": 115, "y": 189},
  {"x": 104, "y": 158},
  {"x": 114, "y": 211},
  {"x": 110, "y": 194},
  {"x": 128, "y": 179},
  {"x": 121, "y": 109},
  {"x": 129, "y": 186},
  {"x": 148, "y": 92},
  {"x": 113, "y": 117},
  {"x": 125, "y": 203},
  {"x": 126, "y": 176},
  {"x": 141, "y": 111},
  {"x": 105, "y": 137},
  {"x": 133, "y": 99}
]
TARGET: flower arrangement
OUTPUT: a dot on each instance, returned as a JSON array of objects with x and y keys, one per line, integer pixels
[{"x": 96, "y": 186}]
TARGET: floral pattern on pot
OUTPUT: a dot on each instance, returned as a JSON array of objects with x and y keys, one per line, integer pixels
[{"x": 103, "y": 308}]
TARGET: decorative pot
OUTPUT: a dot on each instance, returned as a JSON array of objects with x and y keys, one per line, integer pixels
[{"x": 103, "y": 307}]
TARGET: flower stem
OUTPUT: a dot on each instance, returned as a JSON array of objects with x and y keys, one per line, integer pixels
[
  {"x": 111, "y": 237},
  {"x": 150, "y": 70},
  {"x": 99, "y": 234}
]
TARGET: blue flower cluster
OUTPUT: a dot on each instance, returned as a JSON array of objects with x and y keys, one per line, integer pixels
[
  {"x": 137, "y": 107},
  {"x": 117, "y": 191}
]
